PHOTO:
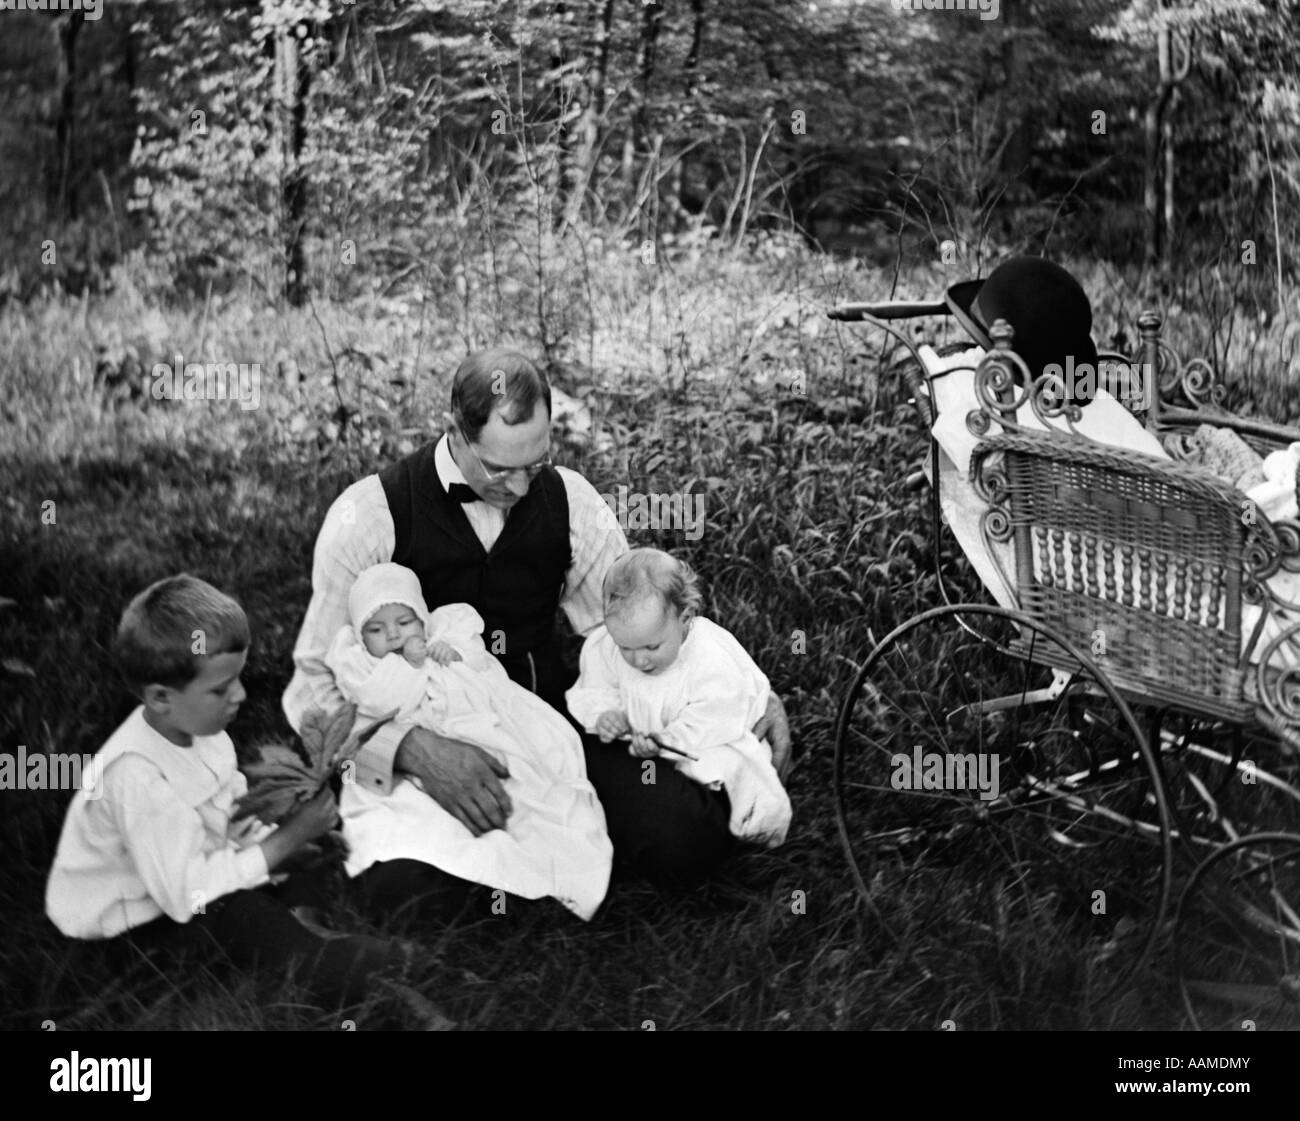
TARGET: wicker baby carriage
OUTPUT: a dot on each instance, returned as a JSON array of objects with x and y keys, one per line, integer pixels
[{"x": 1124, "y": 721}]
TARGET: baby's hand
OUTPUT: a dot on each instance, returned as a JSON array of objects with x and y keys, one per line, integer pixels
[
  {"x": 643, "y": 747},
  {"x": 612, "y": 725},
  {"x": 444, "y": 653},
  {"x": 414, "y": 650}
]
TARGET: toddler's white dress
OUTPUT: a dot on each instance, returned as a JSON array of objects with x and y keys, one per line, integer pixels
[
  {"x": 707, "y": 703},
  {"x": 555, "y": 841}
]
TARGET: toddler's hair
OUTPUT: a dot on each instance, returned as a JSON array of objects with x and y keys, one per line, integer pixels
[
  {"x": 158, "y": 639},
  {"x": 641, "y": 574}
]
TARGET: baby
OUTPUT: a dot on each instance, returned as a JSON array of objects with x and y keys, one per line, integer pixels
[
  {"x": 671, "y": 680},
  {"x": 433, "y": 670}
]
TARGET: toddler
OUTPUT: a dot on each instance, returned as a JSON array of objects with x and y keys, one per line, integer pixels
[
  {"x": 152, "y": 850},
  {"x": 433, "y": 670},
  {"x": 668, "y": 679}
]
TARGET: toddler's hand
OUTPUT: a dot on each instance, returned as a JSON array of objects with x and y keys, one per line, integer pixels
[
  {"x": 414, "y": 650},
  {"x": 643, "y": 747},
  {"x": 444, "y": 653},
  {"x": 612, "y": 725}
]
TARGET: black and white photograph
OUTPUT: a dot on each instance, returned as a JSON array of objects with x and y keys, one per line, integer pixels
[{"x": 652, "y": 515}]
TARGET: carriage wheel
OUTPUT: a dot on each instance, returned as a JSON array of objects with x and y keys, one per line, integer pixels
[
  {"x": 1070, "y": 850},
  {"x": 1219, "y": 786},
  {"x": 1237, "y": 936}
]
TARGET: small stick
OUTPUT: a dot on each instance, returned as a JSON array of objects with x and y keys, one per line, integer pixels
[{"x": 675, "y": 750}]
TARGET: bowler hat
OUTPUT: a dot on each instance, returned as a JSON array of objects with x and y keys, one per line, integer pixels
[{"x": 1047, "y": 308}]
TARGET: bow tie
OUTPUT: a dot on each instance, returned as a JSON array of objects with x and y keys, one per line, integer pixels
[{"x": 461, "y": 492}]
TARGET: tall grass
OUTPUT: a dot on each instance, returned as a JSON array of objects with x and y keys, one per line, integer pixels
[{"x": 704, "y": 372}]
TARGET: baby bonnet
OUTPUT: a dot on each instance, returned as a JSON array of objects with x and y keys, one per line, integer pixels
[{"x": 382, "y": 584}]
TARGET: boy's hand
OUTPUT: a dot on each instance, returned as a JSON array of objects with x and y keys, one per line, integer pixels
[
  {"x": 612, "y": 725},
  {"x": 331, "y": 848},
  {"x": 444, "y": 653},
  {"x": 300, "y": 828},
  {"x": 643, "y": 747},
  {"x": 315, "y": 819},
  {"x": 415, "y": 650}
]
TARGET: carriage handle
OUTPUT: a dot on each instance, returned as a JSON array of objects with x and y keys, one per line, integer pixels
[{"x": 887, "y": 309}]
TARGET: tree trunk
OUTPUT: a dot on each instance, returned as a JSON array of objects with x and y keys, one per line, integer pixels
[
  {"x": 1019, "y": 110},
  {"x": 581, "y": 159},
  {"x": 1150, "y": 184},
  {"x": 692, "y": 70},
  {"x": 292, "y": 87},
  {"x": 551, "y": 156},
  {"x": 65, "y": 129},
  {"x": 652, "y": 19},
  {"x": 1158, "y": 137},
  {"x": 1167, "y": 139}
]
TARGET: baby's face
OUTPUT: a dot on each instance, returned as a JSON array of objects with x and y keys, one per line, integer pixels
[
  {"x": 389, "y": 627},
  {"x": 649, "y": 635}
]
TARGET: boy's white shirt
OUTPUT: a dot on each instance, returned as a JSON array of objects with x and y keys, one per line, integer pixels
[
  {"x": 158, "y": 841},
  {"x": 707, "y": 703}
]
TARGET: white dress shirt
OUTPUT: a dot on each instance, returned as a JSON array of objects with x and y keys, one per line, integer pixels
[{"x": 158, "y": 841}]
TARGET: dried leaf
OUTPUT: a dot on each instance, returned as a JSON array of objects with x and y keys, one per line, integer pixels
[
  {"x": 271, "y": 806},
  {"x": 324, "y": 733},
  {"x": 279, "y": 763}
]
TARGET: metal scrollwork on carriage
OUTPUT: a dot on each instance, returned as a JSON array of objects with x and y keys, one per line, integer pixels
[{"x": 1276, "y": 680}]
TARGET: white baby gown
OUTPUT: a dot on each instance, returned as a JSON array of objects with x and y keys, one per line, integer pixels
[
  {"x": 555, "y": 841},
  {"x": 707, "y": 703}
]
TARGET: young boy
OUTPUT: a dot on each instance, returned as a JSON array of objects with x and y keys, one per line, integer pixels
[
  {"x": 665, "y": 678},
  {"x": 153, "y": 852}
]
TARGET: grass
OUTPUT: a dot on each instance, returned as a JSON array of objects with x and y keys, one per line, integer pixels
[{"x": 812, "y": 547}]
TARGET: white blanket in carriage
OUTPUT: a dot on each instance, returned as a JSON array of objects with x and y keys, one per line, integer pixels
[{"x": 1106, "y": 421}]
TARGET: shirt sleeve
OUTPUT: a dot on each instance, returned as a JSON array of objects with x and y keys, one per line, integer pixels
[
  {"x": 164, "y": 838},
  {"x": 462, "y": 626},
  {"x": 709, "y": 720},
  {"x": 728, "y": 693},
  {"x": 357, "y": 532},
  {"x": 596, "y": 541},
  {"x": 596, "y": 691}
]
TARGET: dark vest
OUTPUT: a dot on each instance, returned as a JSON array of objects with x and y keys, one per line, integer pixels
[{"x": 516, "y": 586}]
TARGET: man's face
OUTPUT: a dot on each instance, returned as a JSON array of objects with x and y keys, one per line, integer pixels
[
  {"x": 503, "y": 447},
  {"x": 388, "y": 629}
]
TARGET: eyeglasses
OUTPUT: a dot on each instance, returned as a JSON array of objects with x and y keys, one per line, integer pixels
[{"x": 500, "y": 475}]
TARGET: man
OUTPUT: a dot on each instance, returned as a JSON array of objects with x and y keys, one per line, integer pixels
[{"x": 483, "y": 517}]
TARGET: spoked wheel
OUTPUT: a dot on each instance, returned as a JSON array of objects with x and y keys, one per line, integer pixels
[
  {"x": 1007, "y": 811},
  {"x": 1237, "y": 936},
  {"x": 1223, "y": 782}
]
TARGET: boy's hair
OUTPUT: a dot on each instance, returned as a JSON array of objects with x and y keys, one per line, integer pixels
[
  {"x": 169, "y": 626},
  {"x": 641, "y": 574},
  {"x": 492, "y": 379}
]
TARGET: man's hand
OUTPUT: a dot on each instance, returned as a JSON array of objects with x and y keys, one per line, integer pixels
[
  {"x": 463, "y": 779},
  {"x": 775, "y": 728},
  {"x": 414, "y": 650},
  {"x": 612, "y": 725}
]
